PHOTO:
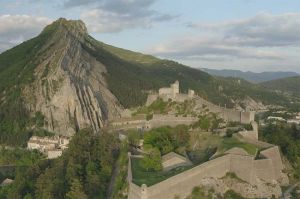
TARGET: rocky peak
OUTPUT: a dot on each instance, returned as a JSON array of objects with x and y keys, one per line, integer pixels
[
  {"x": 70, "y": 88},
  {"x": 76, "y": 28}
]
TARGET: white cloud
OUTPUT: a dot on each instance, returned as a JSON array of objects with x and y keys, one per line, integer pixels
[
  {"x": 262, "y": 41},
  {"x": 261, "y": 30},
  {"x": 118, "y": 15},
  {"x": 15, "y": 29},
  {"x": 98, "y": 20}
]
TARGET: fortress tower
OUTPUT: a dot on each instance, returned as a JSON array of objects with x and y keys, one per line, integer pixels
[
  {"x": 175, "y": 89},
  {"x": 170, "y": 92}
]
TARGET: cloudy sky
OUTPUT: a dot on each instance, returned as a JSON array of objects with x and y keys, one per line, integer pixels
[{"x": 254, "y": 35}]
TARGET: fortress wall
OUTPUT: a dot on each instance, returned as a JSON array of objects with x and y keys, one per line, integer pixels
[
  {"x": 231, "y": 115},
  {"x": 165, "y": 91},
  {"x": 273, "y": 153},
  {"x": 228, "y": 114},
  {"x": 254, "y": 126},
  {"x": 181, "y": 97},
  {"x": 243, "y": 166},
  {"x": 182, "y": 184},
  {"x": 151, "y": 98},
  {"x": 252, "y": 135},
  {"x": 170, "y": 120},
  {"x": 135, "y": 192},
  {"x": 247, "y": 117},
  {"x": 264, "y": 170},
  {"x": 212, "y": 107},
  {"x": 129, "y": 122}
]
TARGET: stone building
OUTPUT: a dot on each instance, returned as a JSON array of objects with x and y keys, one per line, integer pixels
[{"x": 50, "y": 146}]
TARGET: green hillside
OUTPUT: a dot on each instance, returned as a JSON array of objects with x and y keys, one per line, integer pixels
[
  {"x": 131, "y": 75},
  {"x": 290, "y": 85}
]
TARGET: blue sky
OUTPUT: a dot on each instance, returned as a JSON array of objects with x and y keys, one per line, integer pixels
[{"x": 255, "y": 35}]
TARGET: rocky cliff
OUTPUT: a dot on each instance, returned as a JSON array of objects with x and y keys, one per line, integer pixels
[{"x": 70, "y": 89}]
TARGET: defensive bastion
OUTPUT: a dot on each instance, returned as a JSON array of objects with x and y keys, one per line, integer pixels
[{"x": 268, "y": 169}]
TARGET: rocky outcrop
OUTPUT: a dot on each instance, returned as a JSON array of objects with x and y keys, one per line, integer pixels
[
  {"x": 260, "y": 190},
  {"x": 70, "y": 87}
]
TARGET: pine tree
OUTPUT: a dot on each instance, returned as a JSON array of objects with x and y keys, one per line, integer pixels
[{"x": 76, "y": 191}]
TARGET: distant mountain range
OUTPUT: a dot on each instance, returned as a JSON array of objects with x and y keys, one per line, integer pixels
[{"x": 250, "y": 76}]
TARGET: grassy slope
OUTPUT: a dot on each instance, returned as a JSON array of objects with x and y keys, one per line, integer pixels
[{"x": 239, "y": 89}]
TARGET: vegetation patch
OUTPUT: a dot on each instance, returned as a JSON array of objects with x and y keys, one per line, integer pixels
[
  {"x": 287, "y": 137},
  {"x": 228, "y": 143},
  {"x": 151, "y": 177},
  {"x": 206, "y": 140},
  {"x": 83, "y": 171}
]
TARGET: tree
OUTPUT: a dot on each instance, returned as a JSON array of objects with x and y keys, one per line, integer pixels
[
  {"x": 152, "y": 159},
  {"x": 76, "y": 191},
  {"x": 181, "y": 136},
  {"x": 204, "y": 123}
]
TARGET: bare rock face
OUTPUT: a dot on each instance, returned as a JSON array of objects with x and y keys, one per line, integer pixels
[
  {"x": 259, "y": 190},
  {"x": 70, "y": 87}
]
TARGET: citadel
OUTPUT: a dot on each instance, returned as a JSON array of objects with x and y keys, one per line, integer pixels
[
  {"x": 172, "y": 93},
  {"x": 261, "y": 174}
]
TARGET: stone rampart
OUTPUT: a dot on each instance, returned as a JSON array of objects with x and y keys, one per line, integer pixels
[
  {"x": 264, "y": 169},
  {"x": 230, "y": 115},
  {"x": 247, "y": 117},
  {"x": 242, "y": 166},
  {"x": 151, "y": 98},
  {"x": 273, "y": 154},
  {"x": 245, "y": 167},
  {"x": 182, "y": 184}
]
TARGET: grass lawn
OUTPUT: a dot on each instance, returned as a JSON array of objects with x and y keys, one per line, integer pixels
[
  {"x": 141, "y": 176},
  {"x": 203, "y": 140},
  {"x": 228, "y": 143}
]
